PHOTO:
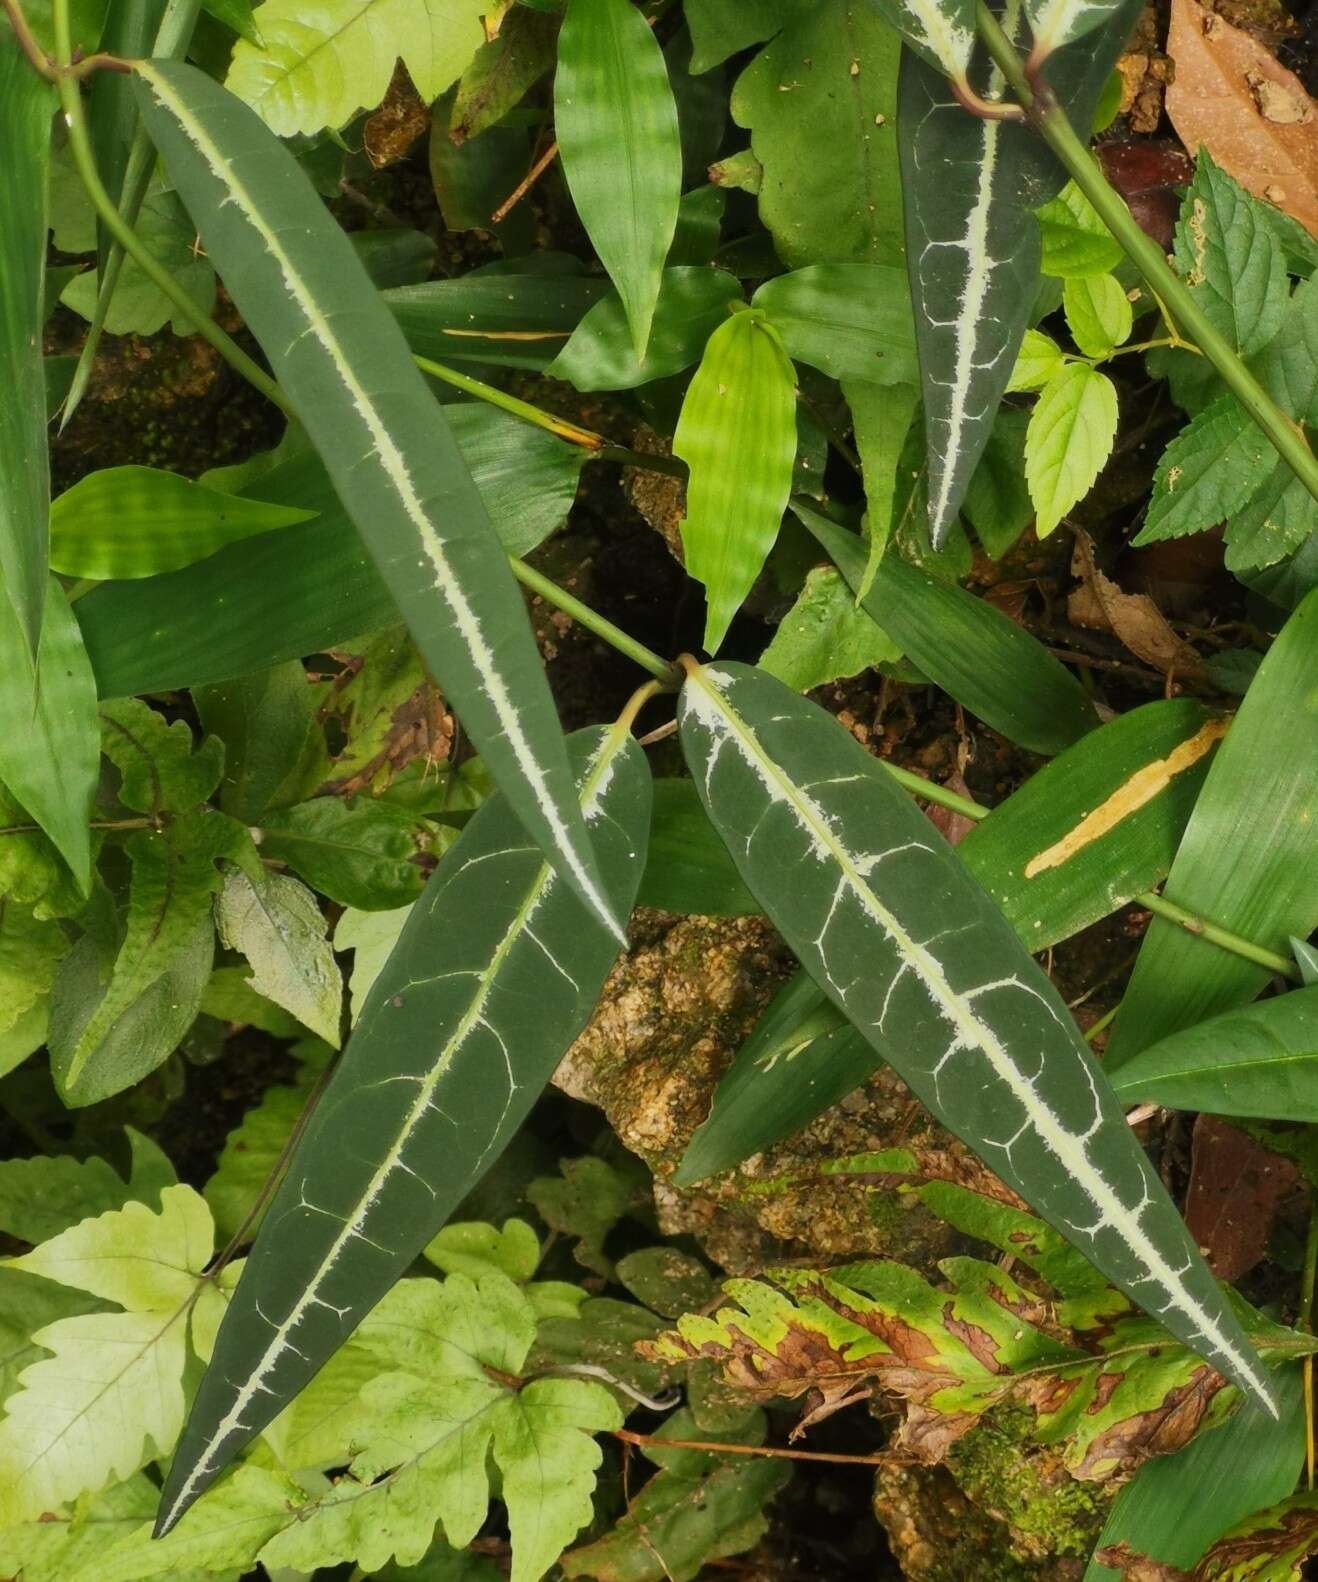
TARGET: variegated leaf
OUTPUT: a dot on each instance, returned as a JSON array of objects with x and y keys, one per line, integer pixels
[
  {"x": 497, "y": 969},
  {"x": 342, "y": 359},
  {"x": 942, "y": 32},
  {"x": 1058, "y": 22},
  {"x": 883, "y": 916}
]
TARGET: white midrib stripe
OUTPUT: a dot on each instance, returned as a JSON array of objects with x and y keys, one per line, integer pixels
[
  {"x": 598, "y": 774},
  {"x": 952, "y": 45},
  {"x": 969, "y": 1028},
  {"x": 394, "y": 468}
]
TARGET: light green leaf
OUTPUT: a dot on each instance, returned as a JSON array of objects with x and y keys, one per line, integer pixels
[
  {"x": 496, "y": 972},
  {"x": 136, "y": 521},
  {"x": 358, "y": 853},
  {"x": 474, "y": 1249},
  {"x": 852, "y": 321},
  {"x": 47, "y": 1195},
  {"x": 1098, "y": 313},
  {"x": 737, "y": 434},
  {"x": 278, "y": 926},
  {"x": 618, "y": 136},
  {"x": 1069, "y": 438},
  {"x": 26, "y": 107},
  {"x": 887, "y": 921},
  {"x": 342, "y": 361},
  {"x": 160, "y": 772},
  {"x": 49, "y": 746},
  {"x": 251, "y": 1151},
  {"x": 30, "y": 950},
  {"x": 58, "y": 1547},
  {"x": 1207, "y": 473},
  {"x": 318, "y": 65},
  {"x": 1076, "y": 243},
  {"x": 371, "y": 936},
  {"x": 1039, "y": 358},
  {"x": 25, "y": 1037},
  {"x": 1245, "y": 872},
  {"x": 1259, "y": 1060},
  {"x": 692, "y": 303},
  {"x": 826, "y": 635},
  {"x": 110, "y": 1398}
]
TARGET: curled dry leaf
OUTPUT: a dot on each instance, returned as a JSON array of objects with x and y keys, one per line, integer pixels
[
  {"x": 1236, "y": 1189},
  {"x": 1133, "y": 618},
  {"x": 1234, "y": 98}
]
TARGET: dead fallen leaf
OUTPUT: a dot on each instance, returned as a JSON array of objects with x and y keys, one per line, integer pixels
[
  {"x": 953, "y": 827},
  {"x": 1233, "y": 97},
  {"x": 400, "y": 122},
  {"x": 1098, "y": 603},
  {"x": 1139, "y": 1568},
  {"x": 1236, "y": 1188}
]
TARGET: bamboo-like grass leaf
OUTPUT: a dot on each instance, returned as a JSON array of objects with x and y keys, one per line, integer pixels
[
  {"x": 737, "y": 434},
  {"x": 339, "y": 354},
  {"x": 496, "y": 971},
  {"x": 1246, "y": 861},
  {"x": 26, "y": 106},
  {"x": 886, "y": 920},
  {"x": 972, "y": 243},
  {"x": 616, "y": 122},
  {"x": 979, "y": 656}
]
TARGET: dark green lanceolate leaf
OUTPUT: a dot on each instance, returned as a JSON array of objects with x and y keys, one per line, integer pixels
[
  {"x": 692, "y": 304},
  {"x": 515, "y": 321},
  {"x": 358, "y": 853},
  {"x": 26, "y": 106},
  {"x": 972, "y": 244},
  {"x": 1260, "y": 1060},
  {"x": 820, "y": 102},
  {"x": 496, "y": 971},
  {"x": 737, "y": 434},
  {"x": 618, "y": 136},
  {"x": 49, "y": 749},
  {"x": 975, "y": 653},
  {"x": 687, "y": 868},
  {"x": 853, "y": 321},
  {"x": 136, "y": 521},
  {"x": 884, "y": 918},
  {"x": 1098, "y": 824},
  {"x": 385, "y": 442},
  {"x": 312, "y": 586},
  {"x": 1246, "y": 857}
]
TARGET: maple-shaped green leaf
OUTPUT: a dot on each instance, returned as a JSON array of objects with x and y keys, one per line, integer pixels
[
  {"x": 161, "y": 772},
  {"x": 250, "y": 1153},
  {"x": 317, "y": 65},
  {"x": 275, "y": 922},
  {"x": 60, "y": 1546},
  {"x": 30, "y": 950},
  {"x": 474, "y": 1249},
  {"x": 424, "y": 1447},
  {"x": 110, "y": 1397},
  {"x": 48, "y": 1194}
]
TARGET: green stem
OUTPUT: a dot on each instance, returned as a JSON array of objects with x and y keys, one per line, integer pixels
[
  {"x": 1050, "y": 120},
  {"x": 593, "y": 621},
  {"x": 572, "y": 432}
]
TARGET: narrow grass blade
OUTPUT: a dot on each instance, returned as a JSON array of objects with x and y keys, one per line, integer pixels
[
  {"x": 496, "y": 971},
  {"x": 342, "y": 359},
  {"x": 884, "y": 918}
]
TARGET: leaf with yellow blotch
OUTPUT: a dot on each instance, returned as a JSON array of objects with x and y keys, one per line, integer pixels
[{"x": 1233, "y": 97}]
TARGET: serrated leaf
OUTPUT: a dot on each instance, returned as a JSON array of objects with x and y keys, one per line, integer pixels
[
  {"x": 1070, "y": 437},
  {"x": 137, "y": 521},
  {"x": 344, "y": 364},
  {"x": 1098, "y": 314},
  {"x": 975, "y": 653},
  {"x": 160, "y": 770},
  {"x": 852, "y": 321},
  {"x": 1261, "y": 893},
  {"x": 450, "y": 1051},
  {"x": 737, "y": 434},
  {"x": 1207, "y": 473},
  {"x": 617, "y": 130},
  {"x": 1076, "y": 243},
  {"x": 826, "y": 635},
  {"x": 1276, "y": 520},
  {"x": 585, "y": 1202},
  {"x": 250, "y": 1153},
  {"x": 692, "y": 303},
  {"x": 30, "y": 950},
  {"x": 1039, "y": 358},
  {"x": 110, "y": 1398},
  {"x": 278, "y": 926},
  {"x": 358, "y": 853},
  {"x": 59, "y": 1547},
  {"x": 885, "y": 919},
  {"x": 26, "y": 108},
  {"x": 44, "y": 1196},
  {"x": 316, "y": 67}
]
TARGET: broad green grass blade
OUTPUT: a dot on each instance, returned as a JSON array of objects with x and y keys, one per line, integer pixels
[
  {"x": 1261, "y": 1060},
  {"x": 884, "y": 918},
  {"x": 976, "y": 654},
  {"x": 1248, "y": 856},
  {"x": 50, "y": 740},
  {"x": 27, "y": 104},
  {"x": 496, "y": 971},
  {"x": 616, "y": 123},
  {"x": 737, "y": 434},
  {"x": 853, "y": 321},
  {"x": 126, "y": 522},
  {"x": 303, "y": 589},
  {"x": 1097, "y": 825},
  {"x": 339, "y": 354},
  {"x": 515, "y": 321},
  {"x": 972, "y": 243}
]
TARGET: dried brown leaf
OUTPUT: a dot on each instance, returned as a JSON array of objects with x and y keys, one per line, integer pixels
[
  {"x": 1133, "y": 618},
  {"x": 1236, "y": 1188}
]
